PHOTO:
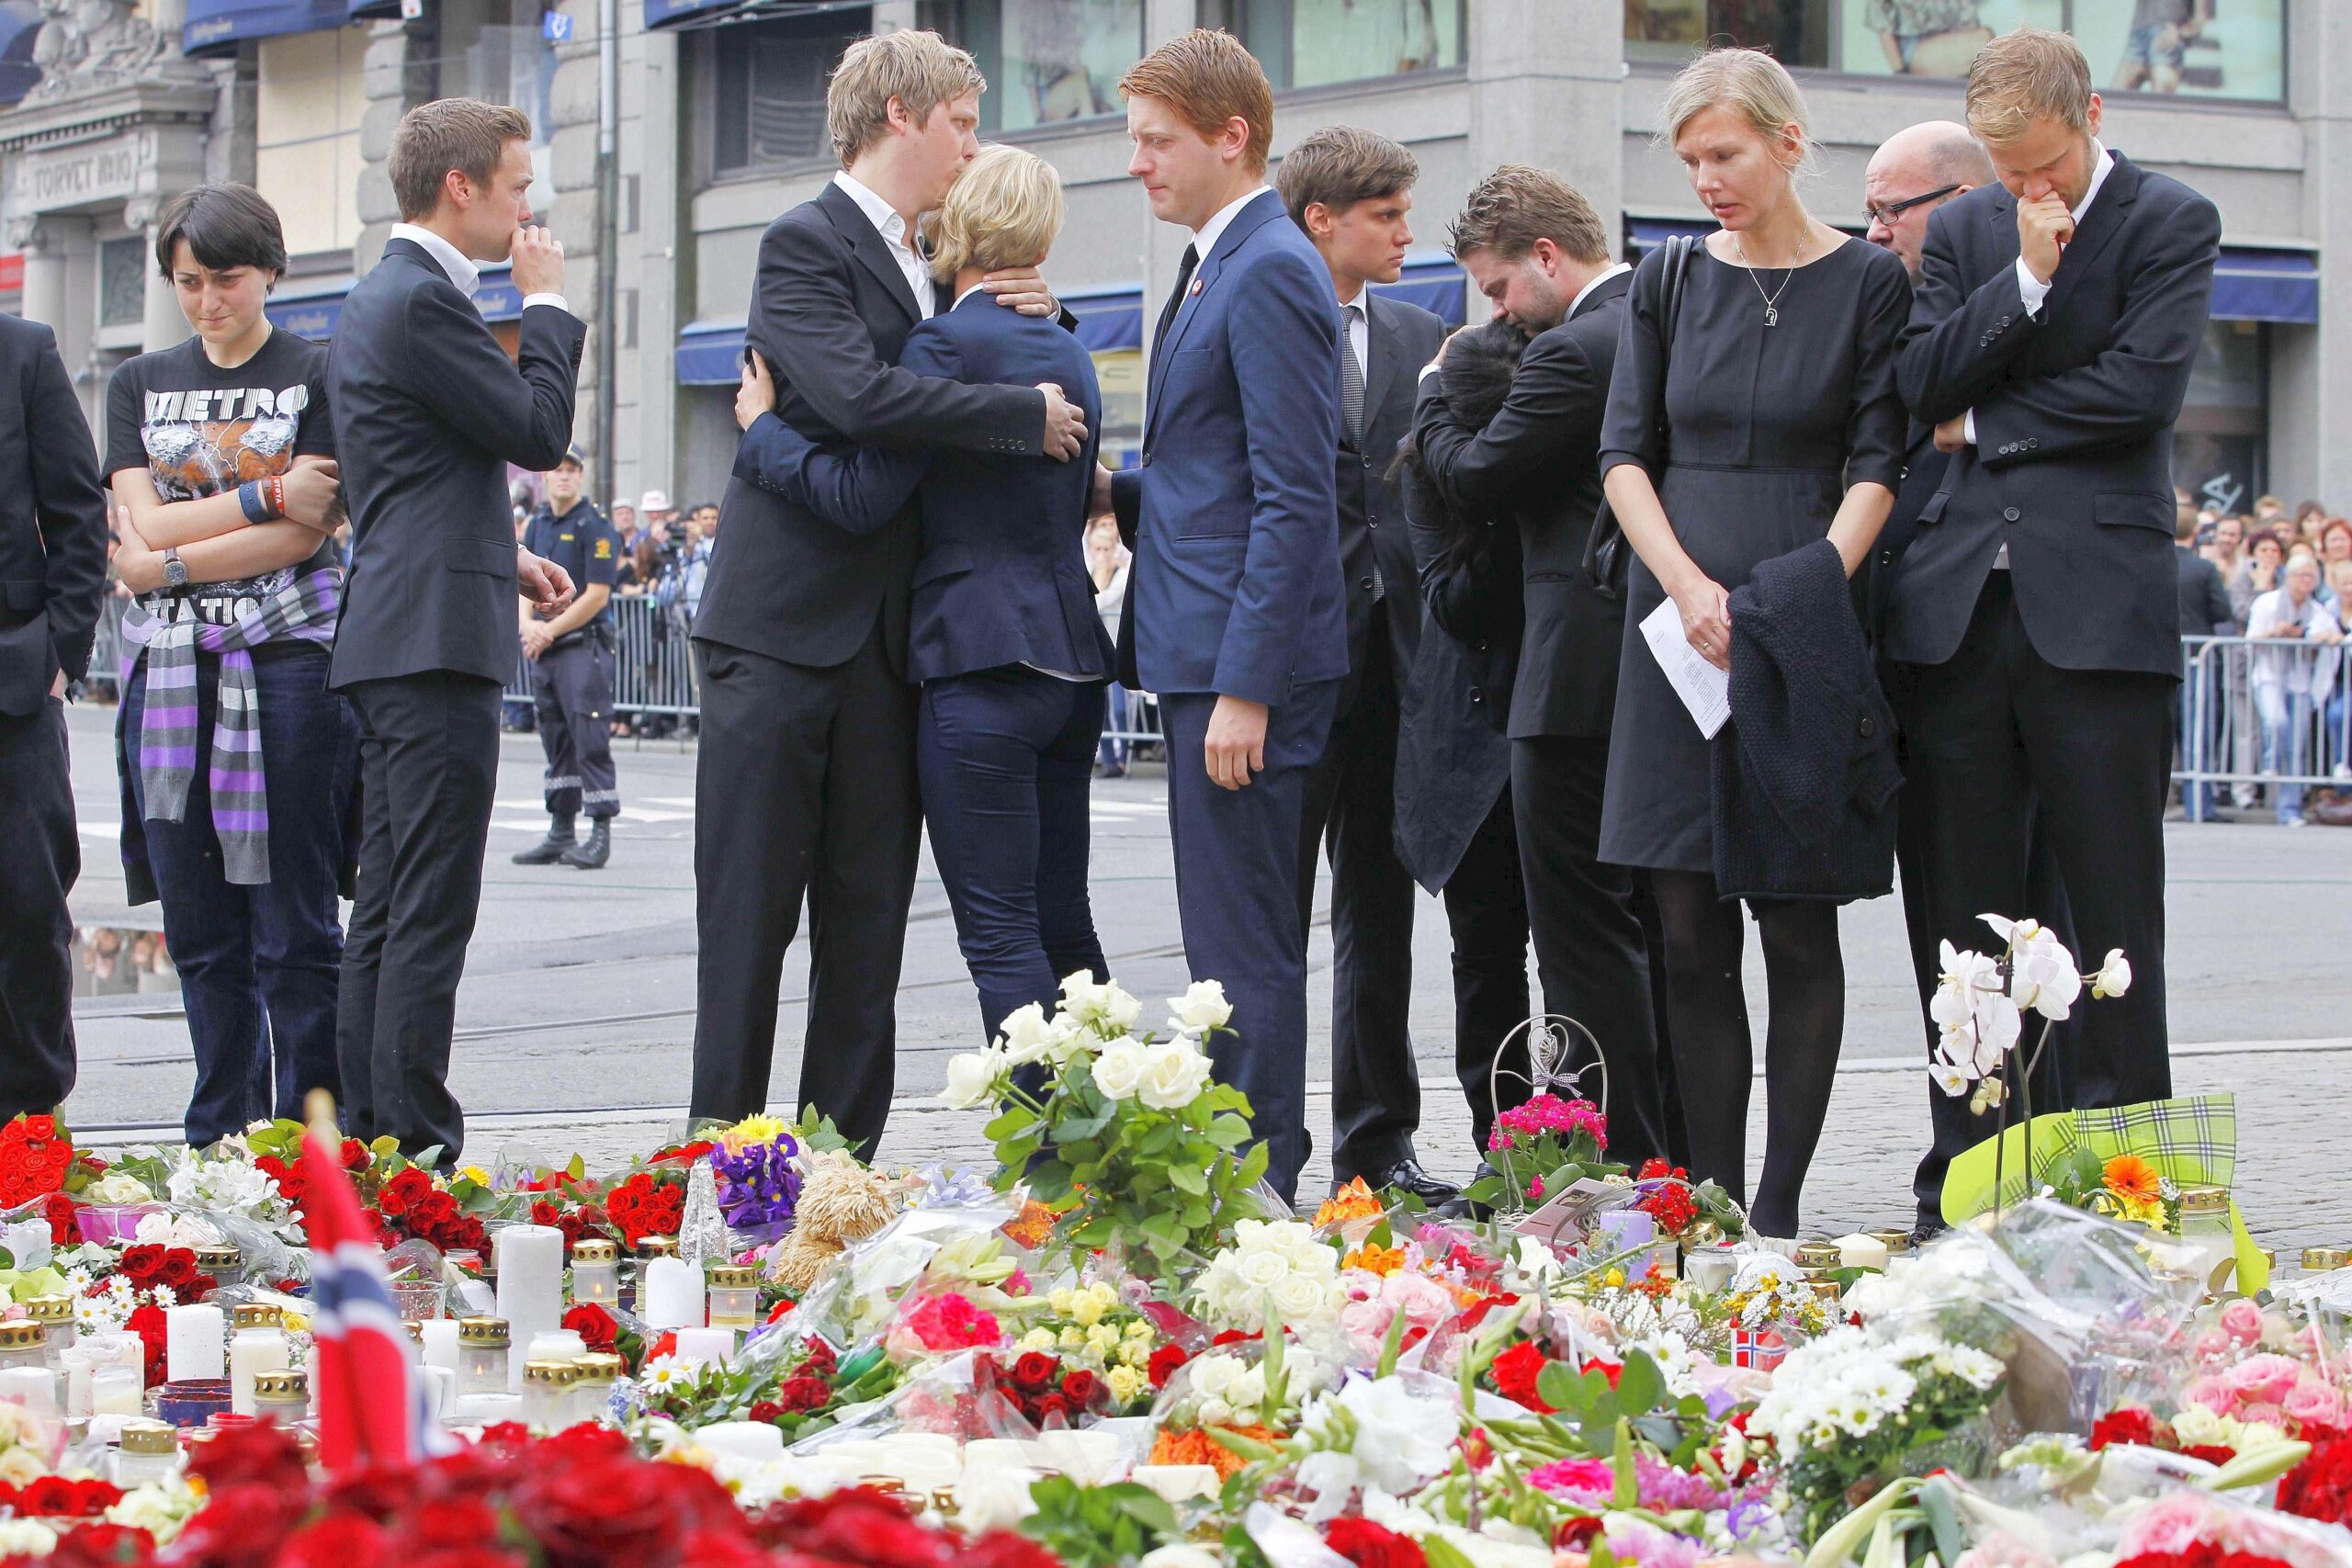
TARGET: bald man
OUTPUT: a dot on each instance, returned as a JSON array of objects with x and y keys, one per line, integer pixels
[{"x": 1916, "y": 171}]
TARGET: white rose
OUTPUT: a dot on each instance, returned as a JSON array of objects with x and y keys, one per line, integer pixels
[
  {"x": 1215, "y": 1413},
  {"x": 1025, "y": 1035},
  {"x": 2114, "y": 976},
  {"x": 1299, "y": 1296},
  {"x": 1173, "y": 1075},
  {"x": 971, "y": 1079},
  {"x": 1213, "y": 1374},
  {"x": 1203, "y": 1005},
  {"x": 1263, "y": 1270},
  {"x": 1104, "y": 1006},
  {"x": 1119, "y": 1069},
  {"x": 993, "y": 1498},
  {"x": 1181, "y": 1554},
  {"x": 119, "y": 1187},
  {"x": 1249, "y": 1390}
]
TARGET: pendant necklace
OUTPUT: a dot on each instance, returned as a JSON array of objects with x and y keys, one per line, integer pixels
[{"x": 1771, "y": 300}]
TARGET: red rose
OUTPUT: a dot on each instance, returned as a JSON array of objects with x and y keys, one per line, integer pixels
[
  {"x": 594, "y": 1324},
  {"x": 444, "y": 1523},
  {"x": 1033, "y": 1372},
  {"x": 261, "y": 1456},
  {"x": 93, "y": 1496},
  {"x": 1579, "y": 1533},
  {"x": 1164, "y": 1363},
  {"x": 338, "y": 1541},
  {"x": 2321, "y": 1486},
  {"x": 40, "y": 1129},
  {"x": 766, "y": 1412},
  {"x": 1054, "y": 1409},
  {"x": 854, "y": 1524},
  {"x": 242, "y": 1525},
  {"x": 49, "y": 1496},
  {"x": 805, "y": 1393},
  {"x": 722, "y": 1548},
  {"x": 1515, "y": 1372},
  {"x": 356, "y": 1156},
  {"x": 466, "y": 1557},
  {"x": 102, "y": 1546},
  {"x": 1081, "y": 1388},
  {"x": 1367, "y": 1545},
  {"x": 64, "y": 1229},
  {"x": 1003, "y": 1548},
  {"x": 2212, "y": 1453},
  {"x": 1611, "y": 1371},
  {"x": 818, "y": 1357},
  {"x": 141, "y": 1265},
  {"x": 2128, "y": 1425},
  {"x": 599, "y": 1510},
  {"x": 179, "y": 1268},
  {"x": 435, "y": 1207}
]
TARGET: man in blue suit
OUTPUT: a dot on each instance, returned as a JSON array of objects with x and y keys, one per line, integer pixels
[{"x": 1235, "y": 614}]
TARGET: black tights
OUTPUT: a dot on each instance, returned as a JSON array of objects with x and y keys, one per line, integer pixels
[{"x": 1707, "y": 1016}]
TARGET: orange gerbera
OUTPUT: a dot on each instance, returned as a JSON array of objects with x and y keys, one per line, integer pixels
[
  {"x": 1032, "y": 1225},
  {"x": 2133, "y": 1180},
  {"x": 1353, "y": 1201},
  {"x": 1196, "y": 1447}
]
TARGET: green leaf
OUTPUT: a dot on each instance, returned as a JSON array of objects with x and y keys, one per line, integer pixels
[
  {"x": 1628, "y": 1491},
  {"x": 1009, "y": 1123},
  {"x": 1049, "y": 1182},
  {"x": 1559, "y": 1387},
  {"x": 1443, "y": 1553},
  {"x": 1639, "y": 1383},
  {"x": 1251, "y": 1449},
  {"x": 1185, "y": 1179}
]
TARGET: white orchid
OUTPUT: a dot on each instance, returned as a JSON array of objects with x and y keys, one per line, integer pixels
[
  {"x": 2042, "y": 975},
  {"x": 2114, "y": 976}
]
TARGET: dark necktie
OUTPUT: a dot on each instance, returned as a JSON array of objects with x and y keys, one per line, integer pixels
[
  {"x": 1175, "y": 298},
  {"x": 1351, "y": 377}
]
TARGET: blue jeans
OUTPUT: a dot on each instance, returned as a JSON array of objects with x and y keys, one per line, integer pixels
[
  {"x": 1114, "y": 753},
  {"x": 1003, "y": 757},
  {"x": 258, "y": 967},
  {"x": 2286, "y": 728}
]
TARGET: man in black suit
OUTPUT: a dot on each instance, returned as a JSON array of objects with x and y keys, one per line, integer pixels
[
  {"x": 2056, "y": 320},
  {"x": 2205, "y": 611},
  {"x": 54, "y": 565},
  {"x": 428, "y": 414},
  {"x": 1915, "y": 172},
  {"x": 1538, "y": 251},
  {"x": 805, "y": 783},
  {"x": 1351, "y": 191}
]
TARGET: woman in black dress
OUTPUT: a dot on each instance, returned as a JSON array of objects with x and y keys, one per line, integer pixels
[{"x": 1769, "y": 415}]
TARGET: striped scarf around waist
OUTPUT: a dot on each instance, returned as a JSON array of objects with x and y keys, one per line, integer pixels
[{"x": 304, "y": 611}]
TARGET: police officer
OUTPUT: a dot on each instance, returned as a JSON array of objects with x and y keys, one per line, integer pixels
[{"x": 572, "y": 671}]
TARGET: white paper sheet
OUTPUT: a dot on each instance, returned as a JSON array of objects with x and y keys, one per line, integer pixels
[{"x": 1704, "y": 690}]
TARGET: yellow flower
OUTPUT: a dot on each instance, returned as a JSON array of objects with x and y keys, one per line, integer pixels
[
  {"x": 1138, "y": 1329},
  {"x": 1383, "y": 1261},
  {"x": 760, "y": 1129},
  {"x": 1085, "y": 1309},
  {"x": 1038, "y": 1339},
  {"x": 475, "y": 1174},
  {"x": 1135, "y": 1353},
  {"x": 1125, "y": 1383},
  {"x": 1614, "y": 1278},
  {"x": 1103, "y": 1339},
  {"x": 1353, "y": 1201},
  {"x": 1061, "y": 1301},
  {"x": 1073, "y": 1339}
]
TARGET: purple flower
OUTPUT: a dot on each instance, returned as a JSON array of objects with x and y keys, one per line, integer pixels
[{"x": 760, "y": 1186}]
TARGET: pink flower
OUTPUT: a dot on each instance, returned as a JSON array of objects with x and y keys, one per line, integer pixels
[
  {"x": 2214, "y": 1345},
  {"x": 1535, "y": 1188},
  {"x": 1424, "y": 1301},
  {"x": 2173, "y": 1525},
  {"x": 952, "y": 1323},
  {"x": 1632, "y": 1542},
  {"x": 2209, "y": 1391},
  {"x": 2242, "y": 1321},
  {"x": 1586, "y": 1478},
  {"x": 2313, "y": 1403},
  {"x": 2264, "y": 1379}
]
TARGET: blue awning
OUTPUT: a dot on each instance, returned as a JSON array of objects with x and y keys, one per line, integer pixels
[
  {"x": 710, "y": 353},
  {"x": 676, "y": 13},
  {"x": 2249, "y": 284},
  {"x": 19, "y": 27},
  {"x": 1110, "y": 319},
  {"x": 217, "y": 27},
  {"x": 1434, "y": 283},
  {"x": 312, "y": 306},
  {"x": 2266, "y": 285}
]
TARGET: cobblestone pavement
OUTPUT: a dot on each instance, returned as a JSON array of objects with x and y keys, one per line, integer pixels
[{"x": 576, "y": 1017}]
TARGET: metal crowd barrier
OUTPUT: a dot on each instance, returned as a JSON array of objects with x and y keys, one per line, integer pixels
[
  {"x": 653, "y": 666},
  {"x": 2268, "y": 712}
]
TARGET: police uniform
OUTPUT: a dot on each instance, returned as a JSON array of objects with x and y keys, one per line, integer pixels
[{"x": 572, "y": 681}]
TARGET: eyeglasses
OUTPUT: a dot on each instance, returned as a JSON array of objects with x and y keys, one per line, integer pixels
[{"x": 1895, "y": 209}]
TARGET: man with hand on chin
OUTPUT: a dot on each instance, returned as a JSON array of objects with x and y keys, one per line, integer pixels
[
  {"x": 428, "y": 414},
  {"x": 1234, "y": 608},
  {"x": 2052, "y": 334}
]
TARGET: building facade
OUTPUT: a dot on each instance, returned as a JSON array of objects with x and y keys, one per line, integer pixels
[{"x": 664, "y": 157}]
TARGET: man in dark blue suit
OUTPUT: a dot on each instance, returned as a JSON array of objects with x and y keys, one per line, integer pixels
[
  {"x": 428, "y": 414},
  {"x": 1233, "y": 609}
]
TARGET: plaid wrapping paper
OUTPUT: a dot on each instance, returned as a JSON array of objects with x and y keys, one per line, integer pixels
[
  {"x": 2191, "y": 1139},
  {"x": 305, "y": 610}
]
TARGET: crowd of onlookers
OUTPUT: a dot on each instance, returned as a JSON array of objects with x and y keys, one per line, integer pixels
[{"x": 2284, "y": 711}]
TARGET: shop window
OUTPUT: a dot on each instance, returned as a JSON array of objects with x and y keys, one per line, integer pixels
[
  {"x": 768, "y": 108},
  {"x": 309, "y": 103},
  {"x": 2228, "y": 49},
  {"x": 2219, "y": 440},
  {"x": 1049, "y": 61},
  {"x": 495, "y": 50},
  {"x": 122, "y": 281},
  {"x": 1311, "y": 43}
]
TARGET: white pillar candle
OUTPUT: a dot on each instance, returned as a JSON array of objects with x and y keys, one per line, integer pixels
[
  {"x": 757, "y": 1441},
  {"x": 1860, "y": 1251},
  {"x": 706, "y": 1347},
  {"x": 195, "y": 1342},
  {"x": 440, "y": 1343},
  {"x": 119, "y": 1347},
  {"x": 556, "y": 1344},
  {"x": 440, "y": 1386},
  {"x": 114, "y": 1391},
  {"x": 80, "y": 1361},
  {"x": 671, "y": 1295},
  {"x": 253, "y": 1351},
  {"x": 35, "y": 1388},
  {"x": 530, "y": 1287}
]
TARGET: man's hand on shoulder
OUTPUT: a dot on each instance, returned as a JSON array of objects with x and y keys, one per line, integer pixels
[
  {"x": 546, "y": 584},
  {"x": 1234, "y": 747},
  {"x": 756, "y": 396},
  {"x": 538, "y": 262},
  {"x": 1024, "y": 288},
  {"x": 1065, "y": 425}
]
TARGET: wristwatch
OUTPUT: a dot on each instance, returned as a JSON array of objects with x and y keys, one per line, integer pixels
[{"x": 174, "y": 569}]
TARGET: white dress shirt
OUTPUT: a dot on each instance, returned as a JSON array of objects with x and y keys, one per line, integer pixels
[
  {"x": 463, "y": 270},
  {"x": 1206, "y": 237},
  {"x": 898, "y": 236},
  {"x": 1603, "y": 275}
]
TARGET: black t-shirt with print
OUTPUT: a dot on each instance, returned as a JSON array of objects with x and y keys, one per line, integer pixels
[{"x": 200, "y": 430}]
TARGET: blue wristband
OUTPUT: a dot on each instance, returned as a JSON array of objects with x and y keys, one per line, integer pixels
[{"x": 256, "y": 506}]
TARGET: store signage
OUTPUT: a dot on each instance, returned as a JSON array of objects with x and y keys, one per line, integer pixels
[{"x": 75, "y": 177}]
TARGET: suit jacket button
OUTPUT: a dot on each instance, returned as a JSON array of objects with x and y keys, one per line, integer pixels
[
  {"x": 1482, "y": 645},
  {"x": 1886, "y": 556},
  {"x": 1869, "y": 727},
  {"x": 2032, "y": 442},
  {"x": 2005, "y": 320},
  {"x": 1147, "y": 459},
  {"x": 2009, "y": 514},
  {"x": 1365, "y": 584},
  {"x": 1476, "y": 696}
]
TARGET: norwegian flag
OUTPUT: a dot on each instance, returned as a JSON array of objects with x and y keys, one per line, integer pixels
[{"x": 369, "y": 1397}]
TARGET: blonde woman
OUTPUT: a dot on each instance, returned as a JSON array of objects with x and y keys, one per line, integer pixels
[
  {"x": 1003, "y": 636},
  {"x": 1762, "y": 419}
]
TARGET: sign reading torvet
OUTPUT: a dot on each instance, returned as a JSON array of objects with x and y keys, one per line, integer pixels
[{"x": 71, "y": 176}]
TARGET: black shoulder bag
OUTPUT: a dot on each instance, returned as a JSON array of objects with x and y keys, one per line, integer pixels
[{"x": 1605, "y": 550}]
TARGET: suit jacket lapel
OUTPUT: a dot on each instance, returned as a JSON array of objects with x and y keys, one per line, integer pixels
[
  {"x": 423, "y": 257},
  {"x": 1603, "y": 295},
  {"x": 1383, "y": 351},
  {"x": 866, "y": 244},
  {"x": 2095, "y": 233},
  {"x": 1245, "y": 223}
]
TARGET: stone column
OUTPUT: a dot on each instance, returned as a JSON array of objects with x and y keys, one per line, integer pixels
[
  {"x": 397, "y": 74},
  {"x": 162, "y": 321},
  {"x": 657, "y": 250},
  {"x": 44, "y": 295},
  {"x": 1551, "y": 95},
  {"x": 2311, "y": 366},
  {"x": 575, "y": 170}
]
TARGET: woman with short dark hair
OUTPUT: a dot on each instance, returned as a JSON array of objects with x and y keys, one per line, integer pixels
[{"x": 237, "y": 763}]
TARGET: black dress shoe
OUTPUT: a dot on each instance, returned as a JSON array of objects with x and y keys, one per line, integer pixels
[
  {"x": 1406, "y": 1176},
  {"x": 559, "y": 843},
  {"x": 592, "y": 855},
  {"x": 1459, "y": 1207}
]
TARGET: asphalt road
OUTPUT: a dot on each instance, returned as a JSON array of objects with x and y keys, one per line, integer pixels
[{"x": 576, "y": 1017}]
